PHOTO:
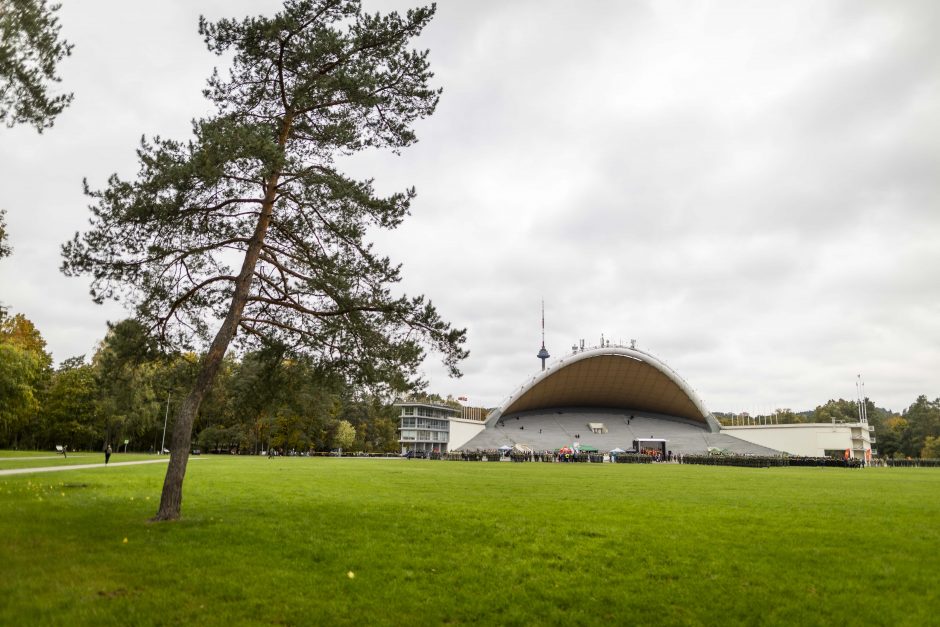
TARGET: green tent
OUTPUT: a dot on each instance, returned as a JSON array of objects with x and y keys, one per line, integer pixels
[{"x": 587, "y": 448}]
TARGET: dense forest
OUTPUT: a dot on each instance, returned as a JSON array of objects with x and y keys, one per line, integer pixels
[{"x": 127, "y": 390}]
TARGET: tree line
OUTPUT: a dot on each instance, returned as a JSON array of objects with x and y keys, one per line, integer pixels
[{"x": 128, "y": 391}]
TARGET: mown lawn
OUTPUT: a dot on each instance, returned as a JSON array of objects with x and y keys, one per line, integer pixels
[{"x": 359, "y": 541}]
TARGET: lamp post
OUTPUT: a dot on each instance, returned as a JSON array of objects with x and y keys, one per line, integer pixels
[{"x": 165, "y": 418}]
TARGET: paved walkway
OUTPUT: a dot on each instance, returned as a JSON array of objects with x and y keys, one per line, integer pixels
[
  {"x": 27, "y": 458},
  {"x": 23, "y": 471}
]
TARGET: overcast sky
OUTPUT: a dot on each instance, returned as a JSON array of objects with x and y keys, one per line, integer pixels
[{"x": 751, "y": 190}]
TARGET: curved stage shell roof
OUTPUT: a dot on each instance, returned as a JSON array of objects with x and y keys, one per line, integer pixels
[{"x": 610, "y": 377}]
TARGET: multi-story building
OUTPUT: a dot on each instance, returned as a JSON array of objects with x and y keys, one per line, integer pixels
[{"x": 432, "y": 428}]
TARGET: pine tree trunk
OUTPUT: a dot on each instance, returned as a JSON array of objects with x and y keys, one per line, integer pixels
[{"x": 172, "y": 497}]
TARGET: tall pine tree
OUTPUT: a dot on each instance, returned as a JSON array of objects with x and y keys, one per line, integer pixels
[{"x": 250, "y": 223}]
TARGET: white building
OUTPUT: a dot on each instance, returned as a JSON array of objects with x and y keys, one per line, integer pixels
[
  {"x": 819, "y": 439},
  {"x": 432, "y": 428}
]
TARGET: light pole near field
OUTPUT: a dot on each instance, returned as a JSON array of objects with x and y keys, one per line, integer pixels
[{"x": 165, "y": 418}]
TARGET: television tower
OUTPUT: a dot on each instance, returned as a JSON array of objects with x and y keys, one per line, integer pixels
[{"x": 543, "y": 354}]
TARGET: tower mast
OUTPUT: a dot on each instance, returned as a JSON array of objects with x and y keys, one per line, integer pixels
[{"x": 543, "y": 354}]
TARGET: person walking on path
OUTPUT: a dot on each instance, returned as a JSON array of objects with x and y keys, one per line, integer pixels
[{"x": 107, "y": 455}]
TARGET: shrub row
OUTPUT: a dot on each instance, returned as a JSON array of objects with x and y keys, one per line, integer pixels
[
  {"x": 912, "y": 463},
  {"x": 761, "y": 461}
]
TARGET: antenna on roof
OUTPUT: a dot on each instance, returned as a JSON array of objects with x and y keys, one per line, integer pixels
[
  {"x": 543, "y": 354},
  {"x": 862, "y": 401}
]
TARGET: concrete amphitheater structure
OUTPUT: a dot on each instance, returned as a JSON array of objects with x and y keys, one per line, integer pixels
[{"x": 606, "y": 398}]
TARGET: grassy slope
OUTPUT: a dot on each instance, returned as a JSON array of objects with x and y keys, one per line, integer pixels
[{"x": 272, "y": 541}]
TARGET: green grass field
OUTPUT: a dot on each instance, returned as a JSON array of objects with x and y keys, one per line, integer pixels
[{"x": 359, "y": 541}]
